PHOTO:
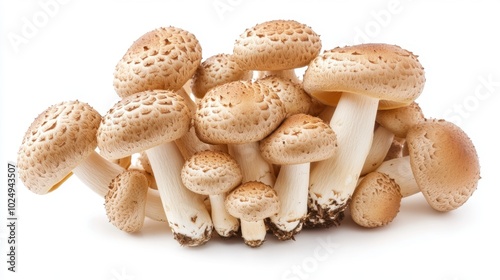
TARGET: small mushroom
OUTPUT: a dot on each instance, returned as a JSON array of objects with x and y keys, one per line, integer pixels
[
  {"x": 298, "y": 141},
  {"x": 443, "y": 165},
  {"x": 163, "y": 58},
  {"x": 125, "y": 201},
  {"x": 277, "y": 47},
  {"x": 358, "y": 80},
  {"x": 214, "y": 174},
  {"x": 150, "y": 121},
  {"x": 252, "y": 202},
  {"x": 240, "y": 114},
  {"x": 376, "y": 200}
]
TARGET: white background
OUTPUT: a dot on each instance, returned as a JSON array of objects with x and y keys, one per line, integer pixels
[{"x": 71, "y": 54}]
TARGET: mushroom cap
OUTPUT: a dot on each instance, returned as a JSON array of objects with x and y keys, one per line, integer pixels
[
  {"x": 299, "y": 139},
  {"x": 238, "y": 112},
  {"x": 211, "y": 173},
  {"x": 217, "y": 70},
  {"x": 164, "y": 58},
  {"x": 252, "y": 201},
  {"x": 376, "y": 200},
  {"x": 294, "y": 97},
  {"x": 56, "y": 142},
  {"x": 142, "y": 121},
  {"x": 276, "y": 45},
  {"x": 383, "y": 71},
  {"x": 444, "y": 163},
  {"x": 399, "y": 120},
  {"x": 125, "y": 201}
]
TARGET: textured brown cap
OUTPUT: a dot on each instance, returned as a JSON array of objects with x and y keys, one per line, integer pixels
[
  {"x": 300, "y": 138},
  {"x": 211, "y": 173},
  {"x": 293, "y": 96},
  {"x": 252, "y": 201},
  {"x": 444, "y": 162},
  {"x": 164, "y": 58},
  {"x": 238, "y": 112},
  {"x": 125, "y": 201},
  {"x": 376, "y": 200},
  {"x": 55, "y": 143},
  {"x": 276, "y": 45},
  {"x": 399, "y": 120},
  {"x": 217, "y": 70},
  {"x": 383, "y": 71},
  {"x": 142, "y": 121}
]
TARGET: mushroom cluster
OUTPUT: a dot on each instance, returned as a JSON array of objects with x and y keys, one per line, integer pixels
[{"x": 240, "y": 145}]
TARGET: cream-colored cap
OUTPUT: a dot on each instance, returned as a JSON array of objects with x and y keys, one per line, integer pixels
[
  {"x": 252, "y": 201},
  {"x": 142, "y": 121},
  {"x": 56, "y": 142},
  {"x": 382, "y": 71},
  {"x": 164, "y": 58}
]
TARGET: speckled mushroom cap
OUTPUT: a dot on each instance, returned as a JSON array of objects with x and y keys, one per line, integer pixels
[
  {"x": 252, "y": 201},
  {"x": 142, "y": 121},
  {"x": 383, "y": 71},
  {"x": 300, "y": 138},
  {"x": 55, "y": 143},
  {"x": 444, "y": 163},
  {"x": 238, "y": 112},
  {"x": 276, "y": 45},
  {"x": 125, "y": 202},
  {"x": 211, "y": 173},
  {"x": 217, "y": 70},
  {"x": 399, "y": 120},
  {"x": 293, "y": 96},
  {"x": 376, "y": 200},
  {"x": 164, "y": 58}
]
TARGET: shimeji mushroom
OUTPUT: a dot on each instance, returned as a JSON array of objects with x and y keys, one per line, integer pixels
[
  {"x": 214, "y": 174},
  {"x": 277, "y": 47},
  {"x": 376, "y": 200},
  {"x": 240, "y": 114},
  {"x": 358, "y": 80},
  {"x": 62, "y": 141},
  {"x": 164, "y": 58},
  {"x": 299, "y": 140},
  {"x": 150, "y": 121},
  {"x": 442, "y": 164},
  {"x": 217, "y": 70},
  {"x": 125, "y": 202},
  {"x": 252, "y": 202}
]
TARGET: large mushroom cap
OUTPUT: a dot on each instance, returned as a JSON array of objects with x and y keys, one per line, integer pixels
[
  {"x": 252, "y": 201},
  {"x": 164, "y": 58},
  {"x": 382, "y": 71},
  {"x": 211, "y": 173},
  {"x": 142, "y": 121},
  {"x": 444, "y": 163},
  {"x": 217, "y": 70},
  {"x": 276, "y": 45},
  {"x": 238, "y": 112},
  {"x": 300, "y": 138},
  {"x": 56, "y": 142}
]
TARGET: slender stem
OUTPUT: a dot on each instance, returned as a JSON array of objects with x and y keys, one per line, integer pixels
[
  {"x": 225, "y": 224},
  {"x": 253, "y": 232},
  {"x": 382, "y": 142},
  {"x": 399, "y": 169},
  {"x": 186, "y": 213},
  {"x": 253, "y": 166}
]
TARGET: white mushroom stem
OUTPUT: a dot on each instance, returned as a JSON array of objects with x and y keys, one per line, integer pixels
[
  {"x": 253, "y": 232},
  {"x": 224, "y": 223},
  {"x": 97, "y": 173},
  {"x": 287, "y": 74},
  {"x": 382, "y": 142},
  {"x": 187, "y": 215},
  {"x": 253, "y": 166},
  {"x": 292, "y": 185},
  {"x": 333, "y": 180},
  {"x": 399, "y": 169}
]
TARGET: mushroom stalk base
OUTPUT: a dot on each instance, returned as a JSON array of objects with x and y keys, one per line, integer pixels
[
  {"x": 187, "y": 215},
  {"x": 399, "y": 169},
  {"x": 333, "y": 181},
  {"x": 291, "y": 186},
  {"x": 225, "y": 224},
  {"x": 253, "y": 232},
  {"x": 253, "y": 166}
]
